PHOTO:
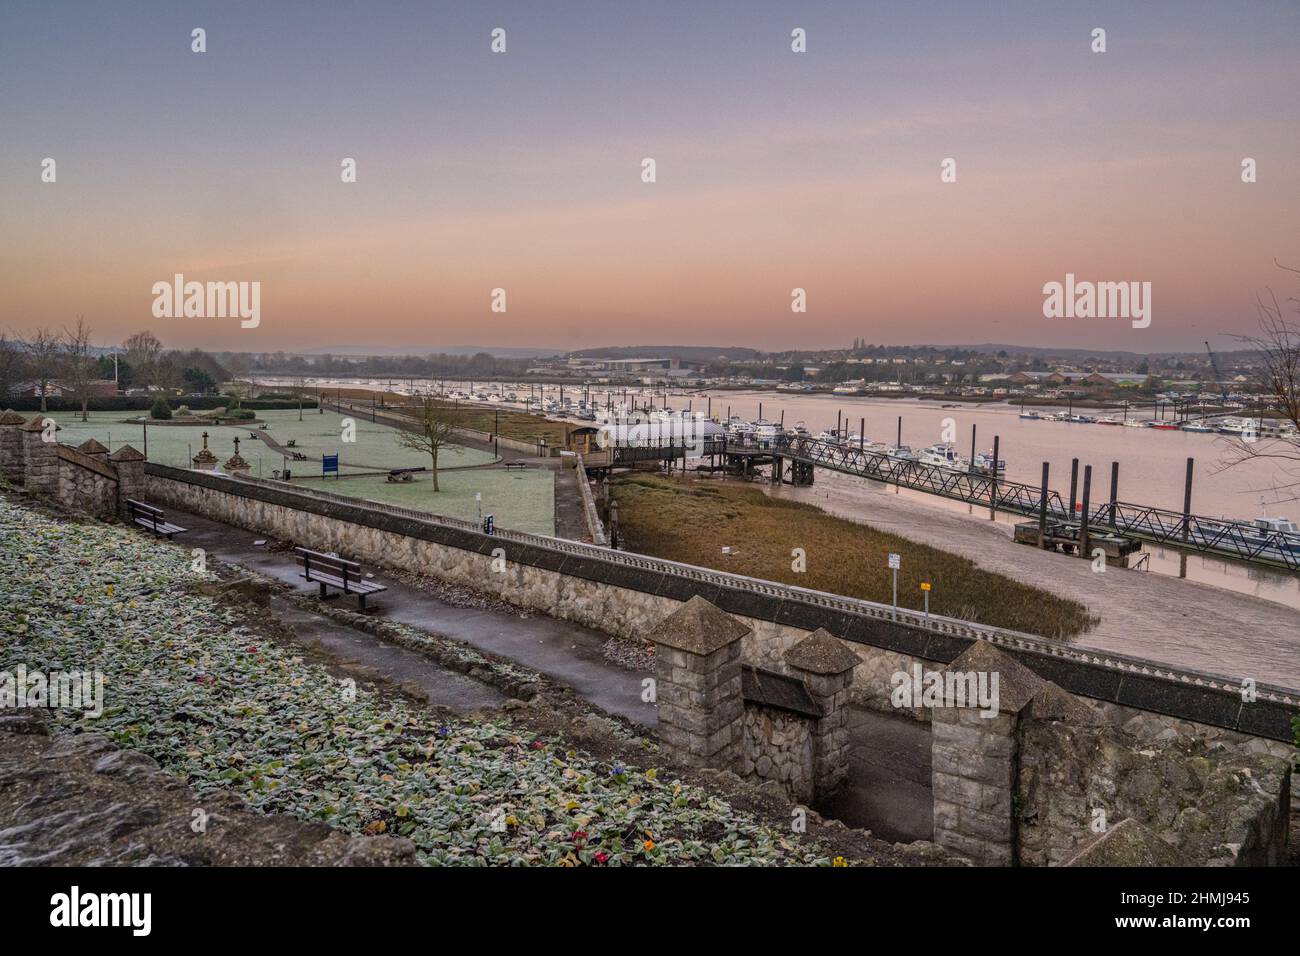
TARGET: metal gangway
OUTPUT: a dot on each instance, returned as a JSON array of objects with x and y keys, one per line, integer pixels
[{"x": 1217, "y": 536}]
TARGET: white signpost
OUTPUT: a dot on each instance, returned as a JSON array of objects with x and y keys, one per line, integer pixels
[{"x": 895, "y": 562}]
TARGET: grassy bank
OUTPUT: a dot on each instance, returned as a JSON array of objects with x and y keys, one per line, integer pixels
[
  {"x": 692, "y": 521},
  {"x": 513, "y": 423}
]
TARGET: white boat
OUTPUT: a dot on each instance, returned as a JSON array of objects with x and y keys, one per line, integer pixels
[
  {"x": 984, "y": 463},
  {"x": 1199, "y": 427},
  {"x": 1134, "y": 423},
  {"x": 901, "y": 453},
  {"x": 1236, "y": 426},
  {"x": 943, "y": 455}
]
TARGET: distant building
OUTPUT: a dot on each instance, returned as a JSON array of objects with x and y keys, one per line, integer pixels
[{"x": 61, "y": 389}]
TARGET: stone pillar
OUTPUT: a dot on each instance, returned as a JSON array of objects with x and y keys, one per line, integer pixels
[
  {"x": 205, "y": 460},
  {"x": 93, "y": 449},
  {"x": 697, "y": 678},
  {"x": 40, "y": 460},
  {"x": 974, "y": 758},
  {"x": 11, "y": 446},
  {"x": 826, "y": 667},
  {"x": 129, "y": 465},
  {"x": 236, "y": 465}
]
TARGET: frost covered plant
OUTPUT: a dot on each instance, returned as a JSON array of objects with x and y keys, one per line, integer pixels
[{"x": 224, "y": 708}]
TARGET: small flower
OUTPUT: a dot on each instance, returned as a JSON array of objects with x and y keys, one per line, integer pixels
[
  {"x": 649, "y": 845},
  {"x": 839, "y": 861},
  {"x": 601, "y": 858}
]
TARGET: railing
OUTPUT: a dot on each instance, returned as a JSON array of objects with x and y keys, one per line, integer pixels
[
  {"x": 932, "y": 623},
  {"x": 1217, "y": 536}
]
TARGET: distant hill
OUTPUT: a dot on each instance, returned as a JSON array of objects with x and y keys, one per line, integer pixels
[
  {"x": 687, "y": 353},
  {"x": 403, "y": 350},
  {"x": 1067, "y": 353}
]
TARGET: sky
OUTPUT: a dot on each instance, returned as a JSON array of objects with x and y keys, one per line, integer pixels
[{"x": 522, "y": 170}]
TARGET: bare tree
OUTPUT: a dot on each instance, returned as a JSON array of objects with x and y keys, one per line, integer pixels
[
  {"x": 13, "y": 365},
  {"x": 1277, "y": 378},
  {"x": 79, "y": 364},
  {"x": 434, "y": 431},
  {"x": 43, "y": 359},
  {"x": 144, "y": 353}
]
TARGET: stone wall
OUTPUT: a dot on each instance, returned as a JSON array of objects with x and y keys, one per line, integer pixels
[
  {"x": 626, "y": 595},
  {"x": 1214, "y": 806},
  {"x": 595, "y": 528},
  {"x": 86, "y": 478},
  {"x": 778, "y": 747},
  {"x": 1047, "y": 775},
  {"x": 85, "y": 484},
  {"x": 11, "y": 447}
]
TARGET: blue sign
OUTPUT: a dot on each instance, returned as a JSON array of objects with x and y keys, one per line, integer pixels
[
  {"x": 489, "y": 526},
  {"x": 329, "y": 463}
]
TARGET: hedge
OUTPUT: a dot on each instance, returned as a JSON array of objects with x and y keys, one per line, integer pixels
[{"x": 142, "y": 403}]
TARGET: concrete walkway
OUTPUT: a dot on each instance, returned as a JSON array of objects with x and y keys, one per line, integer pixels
[
  {"x": 1144, "y": 614},
  {"x": 400, "y": 665},
  {"x": 565, "y": 652}
]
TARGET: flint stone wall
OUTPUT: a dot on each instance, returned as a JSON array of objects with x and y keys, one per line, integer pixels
[
  {"x": 778, "y": 746},
  {"x": 1214, "y": 806},
  {"x": 85, "y": 484}
]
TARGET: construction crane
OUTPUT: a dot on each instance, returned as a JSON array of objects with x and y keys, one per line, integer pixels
[{"x": 1218, "y": 376}]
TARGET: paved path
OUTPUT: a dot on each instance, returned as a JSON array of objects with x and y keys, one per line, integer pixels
[
  {"x": 566, "y": 652},
  {"x": 400, "y": 665},
  {"x": 1144, "y": 614}
]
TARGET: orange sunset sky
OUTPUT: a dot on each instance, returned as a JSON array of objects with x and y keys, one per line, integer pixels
[{"x": 521, "y": 170}]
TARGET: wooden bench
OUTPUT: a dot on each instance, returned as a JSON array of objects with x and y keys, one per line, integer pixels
[
  {"x": 331, "y": 572},
  {"x": 516, "y": 464},
  {"x": 147, "y": 516}
]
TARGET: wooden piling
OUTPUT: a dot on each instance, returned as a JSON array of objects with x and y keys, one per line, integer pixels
[
  {"x": 993, "y": 485},
  {"x": 1083, "y": 520},
  {"x": 1114, "y": 491},
  {"x": 1042, "y": 509}
]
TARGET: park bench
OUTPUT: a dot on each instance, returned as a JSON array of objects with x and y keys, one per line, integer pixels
[
  {"x": 148, "y": 516},
  {"x": 332, "y": 572},
  {"x": 516, "y": 464}
]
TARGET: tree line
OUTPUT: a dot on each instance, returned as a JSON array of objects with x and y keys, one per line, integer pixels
[{"x": 67, "y": 357}]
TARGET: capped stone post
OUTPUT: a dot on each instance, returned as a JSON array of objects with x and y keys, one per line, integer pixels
[
  {"x": 697, "y": 677},
  {"x": 826, "y": 667},
  {"x": 129, "y": 465},
  {"x": 40, "y": 460},
  {"x": 975, "y": 758},
  {"x": 11, "y": 446},
  {"x": 92, "y": 448}
]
